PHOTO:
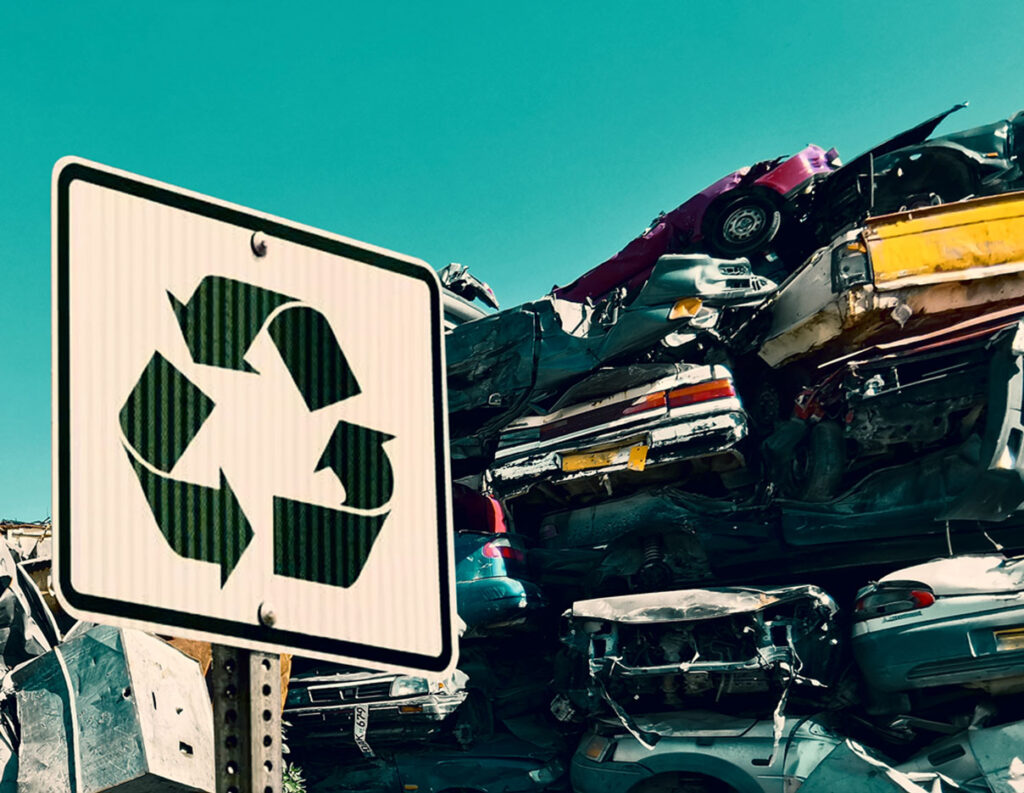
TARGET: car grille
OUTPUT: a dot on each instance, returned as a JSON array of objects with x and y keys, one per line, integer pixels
[{"x": 328, "y": 694}]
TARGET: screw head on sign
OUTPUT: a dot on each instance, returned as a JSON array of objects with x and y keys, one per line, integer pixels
[
  {"x": 267, "y": 615},
  {"x": 258, "y": 243}
]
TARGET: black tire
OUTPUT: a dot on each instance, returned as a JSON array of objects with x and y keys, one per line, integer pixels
[
  {"x": 818, "y": 465},
  {"x": 743, "y": 223},
  {"x": 674, "y": 782}
]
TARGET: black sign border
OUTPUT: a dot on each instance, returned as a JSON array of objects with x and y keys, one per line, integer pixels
[{"x": 228, "y": 629}]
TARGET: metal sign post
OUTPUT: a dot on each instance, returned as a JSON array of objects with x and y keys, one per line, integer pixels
[{"x": 246, "y": 720}]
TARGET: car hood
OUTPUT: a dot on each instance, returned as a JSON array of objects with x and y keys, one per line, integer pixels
[
  {"x": 966, "y": 575},
  {"x": 691, "y": 604}
]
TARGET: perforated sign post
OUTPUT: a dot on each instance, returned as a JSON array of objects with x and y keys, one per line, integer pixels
[{"x": 250, "y": 443}]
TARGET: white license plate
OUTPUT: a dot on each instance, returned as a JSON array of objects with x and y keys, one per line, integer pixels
[{"x": 360, "y": 720}]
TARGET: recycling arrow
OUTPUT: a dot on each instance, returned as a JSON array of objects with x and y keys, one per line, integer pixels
[
  {"x": 313, "y": 356},
  {"x": 165, "y": 410},
  {"x": 321, "y": 544},
  {"x": 202, "y": 523},
  {"x": 162, "y": 415},
  {"x": 331, "y": 546},
  {"x": 223, "y": 317},
  {"x": 357, "y": 457}
]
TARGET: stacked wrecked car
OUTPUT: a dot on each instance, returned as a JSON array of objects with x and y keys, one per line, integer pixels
[{"x": 738, "y": 509}]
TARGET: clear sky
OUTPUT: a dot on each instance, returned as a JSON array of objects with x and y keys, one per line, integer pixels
[{"x": 527, "y": 140}]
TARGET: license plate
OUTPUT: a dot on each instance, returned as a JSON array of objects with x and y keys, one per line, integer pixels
[
  {"x": 360, "y": 720},
  {"x": 1009, "y": 639},
  {"x": 635, "y": 458}
]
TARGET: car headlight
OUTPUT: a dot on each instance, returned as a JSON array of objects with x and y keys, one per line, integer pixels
[
  {"x": 409, "y": 686},
  {"x": 850, "y": 265}
]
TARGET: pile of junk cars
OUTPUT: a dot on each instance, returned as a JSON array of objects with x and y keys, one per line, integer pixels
[{"x": 736, "y": 510}]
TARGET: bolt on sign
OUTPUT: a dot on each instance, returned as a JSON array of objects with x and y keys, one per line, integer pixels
[{"x": 250, "y": 428}]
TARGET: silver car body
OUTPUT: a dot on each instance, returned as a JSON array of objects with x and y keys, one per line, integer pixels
[
  {"x": 972, "y": 634},
  {"x": 741, "y": 752}
]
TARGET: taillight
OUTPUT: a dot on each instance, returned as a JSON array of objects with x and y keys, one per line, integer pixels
[
  {"x": 495, "y": 516},
  {"x": 502, "y": 548},
  {"x": 648, "y": 402},
  {"x": 601, "y": 415},
  {"x": 893, "y": 598},
  {"x": 702, "y": 392}
]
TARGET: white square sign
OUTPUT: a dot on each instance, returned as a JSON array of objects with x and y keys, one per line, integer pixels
[{"x": 250, "y": 440}]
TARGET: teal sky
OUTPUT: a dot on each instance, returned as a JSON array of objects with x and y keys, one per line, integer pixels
[{"x": 527, "y": 140}]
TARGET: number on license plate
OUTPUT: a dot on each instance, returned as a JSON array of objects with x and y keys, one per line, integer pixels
[{"x": 360, "y": 720}]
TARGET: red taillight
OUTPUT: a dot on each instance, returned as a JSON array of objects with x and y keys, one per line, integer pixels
[
  {"x": 702, "y": 392},
  {"x": 922, "y": 598},
  {"x": 495, "y": 516},
  {"x": 648, "y": 402},
  {"x": 893, "y": 599},
  {"x": 502, "y": 549}
]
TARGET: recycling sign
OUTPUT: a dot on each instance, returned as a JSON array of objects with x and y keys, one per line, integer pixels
[{"x": 250, "y": 441}]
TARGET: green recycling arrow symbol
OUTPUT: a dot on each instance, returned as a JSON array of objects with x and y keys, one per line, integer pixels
[{"x": 165, "y": 411}]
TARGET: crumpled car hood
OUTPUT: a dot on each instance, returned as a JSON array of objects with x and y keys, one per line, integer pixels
[{"x": 690, "y": 604}]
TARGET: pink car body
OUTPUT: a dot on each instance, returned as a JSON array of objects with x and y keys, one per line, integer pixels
[{"x": 685, "y": 224}]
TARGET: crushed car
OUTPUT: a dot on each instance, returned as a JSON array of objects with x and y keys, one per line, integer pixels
[
  {"x": 808, "y": 196},
  {"x": 629, "y": 419},
  {"x": 664, "y": 649},
  {"x": 701, "y": 751},
  {"x": 891, "y": 401},
  {"x": 492, "y": 586},
  {"x": 501, "y": 366},
  {"x": 910, "y": 272},
  {"x": 503, "y": 764},
  {"x": 957, "y": 621},
  {"x": 331, "y": 703},
  {"x": 667, "y": 536}
]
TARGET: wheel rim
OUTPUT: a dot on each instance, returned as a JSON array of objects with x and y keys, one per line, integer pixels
[{"x": 743, "y": 223}]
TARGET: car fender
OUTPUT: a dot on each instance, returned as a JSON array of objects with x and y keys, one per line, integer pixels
[{"x": 703, "y": 765}]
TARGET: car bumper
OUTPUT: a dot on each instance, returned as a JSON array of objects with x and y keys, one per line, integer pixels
[
  {"x": 401, "y": 719},
  {"x": 695, "y": 436},
  {"x": 497, "y": 603},
  {"x": 949, "y": 652}
]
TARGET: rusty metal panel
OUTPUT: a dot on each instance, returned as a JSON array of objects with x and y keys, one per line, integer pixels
[{"x": 980, "y": 238}]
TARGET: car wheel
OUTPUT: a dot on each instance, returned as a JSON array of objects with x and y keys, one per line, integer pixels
[
  {"x": 743, "y": 224},
  {"x": 818, "y": 464},
  {"x": 674, "y": 782}
]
